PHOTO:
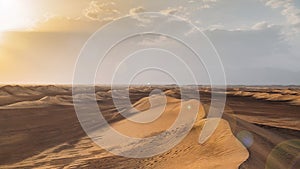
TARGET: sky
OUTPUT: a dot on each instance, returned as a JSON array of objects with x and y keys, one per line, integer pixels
[{"x": 258, "y": 41}]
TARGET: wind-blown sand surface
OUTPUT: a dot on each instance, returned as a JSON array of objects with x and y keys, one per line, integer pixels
[{"x": 259, "y": 129}]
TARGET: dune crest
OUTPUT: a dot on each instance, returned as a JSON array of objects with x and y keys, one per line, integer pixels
[
  {"x": 221, "y": 150},
  {"x": 274, "y": 95},
  {"x": 164, "y": 119},
  {"x": 43, "y": 102}
]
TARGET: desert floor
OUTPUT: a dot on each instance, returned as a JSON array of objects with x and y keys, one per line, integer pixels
[{"x": 260, "y": 129}]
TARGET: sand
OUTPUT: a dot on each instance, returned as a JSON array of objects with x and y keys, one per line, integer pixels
[
  {"x": 277, "y": 95},
  {"x": 39, "y": 129}
]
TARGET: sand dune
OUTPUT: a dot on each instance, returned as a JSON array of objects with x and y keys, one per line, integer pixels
[
  {"x": 52, "y": 89},
  {"x": 4, "y": 93},
  {"x": 43, "y": 102},
  {"x": 172, "y": 93},
  {"x": 39, "y": 129},
  {"x": 19, "y": 91},
  {"x": 163, "y": 116},
  {"x": 295, "y": 101},
  {"x": 222, "y": 150},
  {"x": 276, "y": 95}
]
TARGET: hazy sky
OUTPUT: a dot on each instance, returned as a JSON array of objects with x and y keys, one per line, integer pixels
[{"x": 258, "y": 40}]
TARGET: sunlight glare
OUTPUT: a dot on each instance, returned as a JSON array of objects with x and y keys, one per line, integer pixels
[{"x": 14, "y": 15}]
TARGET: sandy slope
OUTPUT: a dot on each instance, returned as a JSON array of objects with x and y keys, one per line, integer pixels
[
  {"x": 221, "y": 150},
  {"x": 39, "y": 129}
]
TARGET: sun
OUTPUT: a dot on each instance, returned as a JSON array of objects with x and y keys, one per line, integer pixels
[{"x": 14, "y": 14}]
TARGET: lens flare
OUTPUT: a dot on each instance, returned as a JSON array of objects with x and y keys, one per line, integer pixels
[
  {"x": 246, "y": 138},
  {"x": 284, "y": 154}
]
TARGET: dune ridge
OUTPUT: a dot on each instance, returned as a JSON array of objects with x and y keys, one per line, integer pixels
[{"x": 291, "y": 96}]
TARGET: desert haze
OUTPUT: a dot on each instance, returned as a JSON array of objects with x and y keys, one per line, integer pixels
[{"x": 260, "y": 128}]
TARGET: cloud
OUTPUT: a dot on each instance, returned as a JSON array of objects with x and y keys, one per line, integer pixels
[
  {"x": 170, "y": 11},
  {"x": 180, "y": 11},
  {"x": 143, "y": 20},
  {"x": 261, "y": 25},
  {"x": 154, "y": 41},
  {"x": 275, "y": 3},
  {"x": 216, "y": 26},
  {"x": 134, "y": 11},
  {"x": 292, "y": 14},
  {"x": 204, "y": 4},
  {"x": 289, "y": 11},
  {"x": 100, "y": 11}
]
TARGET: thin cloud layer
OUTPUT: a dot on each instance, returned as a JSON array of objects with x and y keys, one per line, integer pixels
[{"x": 100, "y": 11}]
